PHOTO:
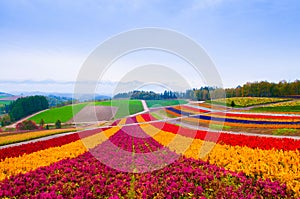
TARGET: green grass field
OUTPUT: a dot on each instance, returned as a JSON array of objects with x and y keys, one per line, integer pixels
[
  {"x": 277, "y": 109},
  {"x": 63, "y": 114},
  {"x": 125, "y": 107},
  {"x": 162, "y": 103}
]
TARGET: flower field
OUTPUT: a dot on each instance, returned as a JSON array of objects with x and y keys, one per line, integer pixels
[
  {"x": 140, "y": 157},
  {"x": 235, "y": 119},
  {"x": 247, "y": 101},
  {"x": 151, "y": 160}
]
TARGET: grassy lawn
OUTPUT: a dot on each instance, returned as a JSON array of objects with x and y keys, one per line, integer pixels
[
  {"x": 284, "y": 131},
  {"x": 3, "y": 102},
  {"x": 125, "y": 107},
  {"x": 63, "y": 114},
  {"x": 161, "y": 103},
  {"x": 247, "y": 101},
  {"x": 277, "y": 109}
]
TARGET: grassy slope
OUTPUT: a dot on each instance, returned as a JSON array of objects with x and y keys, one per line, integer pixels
[
  {"x": 63, "y": 114},
  {"x": 125, "y": 107},
  {"x": 161, "y": 103}
]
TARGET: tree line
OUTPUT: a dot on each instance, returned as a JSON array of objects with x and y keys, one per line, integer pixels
[
  {"x": 266, "y": 89},
  {"x": 255, "y": 89},
  {"x": 147, "y": 95},
  {"x": 26, "y": 106}
]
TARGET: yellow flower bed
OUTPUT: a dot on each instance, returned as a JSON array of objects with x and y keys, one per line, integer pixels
[
  {"x": 273, "y": 164},
  {"x": 29, "y": 162},
  {"x": 249, "y": 101},
  {"x": 290, "y": 103},
  {"x": 122, "y": 122},
  {"x": 8, "y": 139}
]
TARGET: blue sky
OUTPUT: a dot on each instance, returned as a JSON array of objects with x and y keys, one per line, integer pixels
[{"x": 49, "y": 40}]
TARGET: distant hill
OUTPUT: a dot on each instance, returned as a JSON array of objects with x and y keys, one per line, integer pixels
[
  {"x": 2, "y": 94},
  {"x": 7, "y": 97},
  {"x": 68, "y": 96}
]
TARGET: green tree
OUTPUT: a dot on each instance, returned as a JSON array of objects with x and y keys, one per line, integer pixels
[
  {"x": 58, "y": 124},
  {"x": 25, "y": 106},
  {"x": 232, "y": 104},
  {"x": 42, "y": 123},
  {"x": 5, "y": 120}
]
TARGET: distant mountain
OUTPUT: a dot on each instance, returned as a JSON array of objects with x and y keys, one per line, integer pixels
[
  {"x": 65, "y": 96},
  {"x": 7, "y": 97},
  {"x": 2, "y": 94}
]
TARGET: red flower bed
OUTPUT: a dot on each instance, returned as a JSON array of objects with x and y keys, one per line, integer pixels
[{"x": 148, "y": 117}]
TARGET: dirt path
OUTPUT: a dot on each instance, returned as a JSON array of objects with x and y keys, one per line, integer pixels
[{"x": 26, "y": 118}]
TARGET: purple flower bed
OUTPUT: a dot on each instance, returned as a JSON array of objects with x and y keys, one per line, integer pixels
[
  {"x": 132, "y": 150},
  {"x": 86, "y": 177}
]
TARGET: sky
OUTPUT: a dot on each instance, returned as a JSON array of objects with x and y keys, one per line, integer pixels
[{"x": 43, "y": 44}]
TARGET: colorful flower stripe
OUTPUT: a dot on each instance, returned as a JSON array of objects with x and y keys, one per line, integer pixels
[
  {"x": 8, "y": 139},
  {"x": 273, "y": 164},
  {"x": 178, "y": 111},
  {"x": 197, "y": 121},
  {"x": 28, "y": 162},
  {"x": 212, "y": 106},
  {"x": 190, "y": 109}
]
